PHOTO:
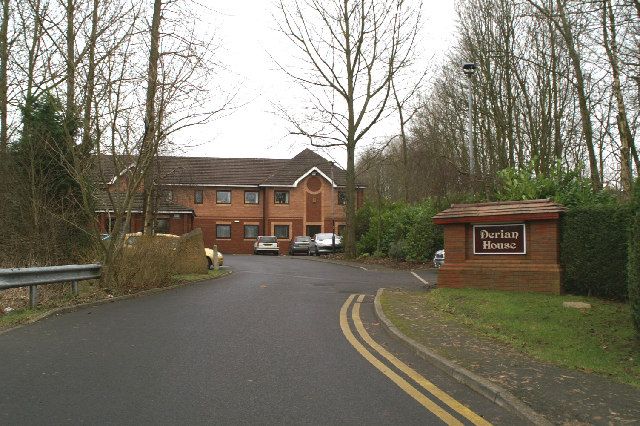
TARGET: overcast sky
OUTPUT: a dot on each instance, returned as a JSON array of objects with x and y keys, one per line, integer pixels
[{"x": 246, "y": 30}]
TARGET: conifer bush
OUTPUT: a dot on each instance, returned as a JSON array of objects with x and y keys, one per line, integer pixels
[
  {"x": 593, "y": 252},
  {"x": 633, "y": 267},
  {"x": 399, "y": 230}
]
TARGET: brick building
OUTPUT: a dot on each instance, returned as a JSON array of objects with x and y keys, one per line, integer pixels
[{"x": 233, "y": 200}]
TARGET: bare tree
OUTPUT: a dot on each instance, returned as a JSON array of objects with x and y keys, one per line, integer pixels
[
  {"x": 406, "y": 112},
  {"x": 561, "y": 20},
  {"x": 149, "y": 141},
  {"x": 351, "y": 50},
  {"x": 4, "y": 63},
  {"x": 609, "y": 38}
]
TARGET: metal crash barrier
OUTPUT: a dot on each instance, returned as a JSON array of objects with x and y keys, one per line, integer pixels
[{"x": 33, "y": 277}]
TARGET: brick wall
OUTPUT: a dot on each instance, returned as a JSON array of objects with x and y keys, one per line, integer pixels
[
  {"x": 538, "y": 270},
  {"x": 312, "y": 202}
]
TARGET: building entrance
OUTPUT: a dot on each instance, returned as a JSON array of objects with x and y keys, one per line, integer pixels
[{"x": 312, "y": 230}]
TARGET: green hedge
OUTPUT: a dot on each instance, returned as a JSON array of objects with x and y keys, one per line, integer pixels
[
  {"x": 634, "y": 259},
  {"x": 398, "y": 230},
  {"x": 593, "y": 250}
]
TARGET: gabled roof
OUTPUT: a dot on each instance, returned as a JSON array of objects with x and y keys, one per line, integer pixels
[
  {"x": 303, "y": 164},
  {"x": 211, "y": 171},
  {"x": 501, "y": 210}
]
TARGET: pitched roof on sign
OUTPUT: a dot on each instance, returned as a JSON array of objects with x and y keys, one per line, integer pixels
[
  {"x": 235, "y": 171},
  {"x": 534, "y": 208}
]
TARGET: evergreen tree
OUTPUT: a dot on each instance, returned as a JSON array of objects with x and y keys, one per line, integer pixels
[
  {"x": 633, "y": 275},
  {"x": 44, "y": 150}
]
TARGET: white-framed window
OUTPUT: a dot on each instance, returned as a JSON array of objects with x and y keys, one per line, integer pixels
[
  {"x": 281, "y": 197},
  {"x": 223, "y": 231},
  {"x": 342, "y": 198},
  {"x": 223, "y": 197},
  {"x": 251, "y": 197},
  {"x": 198, "y": 196}
]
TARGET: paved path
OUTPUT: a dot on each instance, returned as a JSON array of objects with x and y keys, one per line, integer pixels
[{"x": 264, "y": 345}]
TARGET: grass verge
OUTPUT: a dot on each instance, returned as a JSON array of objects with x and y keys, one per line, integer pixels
[
  {"x": 600, "y": 339},
  {"x": 89, "y": 291}
]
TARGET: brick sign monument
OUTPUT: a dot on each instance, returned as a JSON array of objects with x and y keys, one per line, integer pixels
[{"x": 511, "y": 245}]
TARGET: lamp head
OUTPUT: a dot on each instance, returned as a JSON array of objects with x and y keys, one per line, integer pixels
[{"x": 469, "y": 68}]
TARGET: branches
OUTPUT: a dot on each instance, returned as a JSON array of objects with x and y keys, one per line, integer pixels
[{"x": 351, "y": 50}]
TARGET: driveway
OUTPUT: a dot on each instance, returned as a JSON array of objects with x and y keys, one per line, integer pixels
[{"x": 263, "y": 345}]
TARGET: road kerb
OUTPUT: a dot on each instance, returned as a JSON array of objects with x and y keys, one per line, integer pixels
[{"x": 479, "y": 384}]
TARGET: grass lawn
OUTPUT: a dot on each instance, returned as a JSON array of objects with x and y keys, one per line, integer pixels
[{"x": 601, "y": 339}]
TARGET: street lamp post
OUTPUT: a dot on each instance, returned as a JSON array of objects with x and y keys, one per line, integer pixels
[
  {"x": 333, "y": 212},
  {"x": 469, "y": 69}
]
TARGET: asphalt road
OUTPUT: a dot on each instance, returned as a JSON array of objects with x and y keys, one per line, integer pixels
[{"x": 263, "y": 345}]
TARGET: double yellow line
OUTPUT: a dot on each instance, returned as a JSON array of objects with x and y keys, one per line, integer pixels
[{"x": 416, "y": 394}]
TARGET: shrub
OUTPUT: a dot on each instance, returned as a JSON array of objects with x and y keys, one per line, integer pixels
[
  {"x": 593, "y": 253},
  {"x": 567, "y": 187},
  {"x": 149, "y": 263},
  {"x": 189, "y": 256},
  {"x": 398, "y": 250},
  {"x": 633, "y": 269},
  {"x": 398, "y": 230}
]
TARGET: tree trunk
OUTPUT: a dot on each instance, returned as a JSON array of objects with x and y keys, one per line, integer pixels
[
  {"x": 71, "y": 67},
  {"x": 379, "y": 211},
  {"x": 557, "y": 115},
  {"x": 149, "y": 145},
  {"x": 32, "y": 55},
  {"x": 4, "y": 61},
  {"x": 350, "y": 246},
  {"x": 91, "y": 67},
  {"x": 626, "y": 139},
  {"x": 405, "y": 154},
  {"x": 585, "y": 116}
]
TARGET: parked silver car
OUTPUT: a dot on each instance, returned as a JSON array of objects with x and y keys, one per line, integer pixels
[
  {"x": 438, "y": 259},
  {"x": 266, "y": 244},
  {"x": 304, "y": 245},
  {"x": 325, "y": 242}
]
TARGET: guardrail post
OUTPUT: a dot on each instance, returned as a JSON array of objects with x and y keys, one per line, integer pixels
[
  {"x": 74, "y": 287},
  {"x": 33, "y": 296}
]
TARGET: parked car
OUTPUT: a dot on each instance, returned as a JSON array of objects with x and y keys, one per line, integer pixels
[
  {"x": 266, "y": 244},
  {"x": 209, "y": 254},
  {"x": 438, "y": 259},
  {"x": 325, "y": 242},
  {"x": 131, "y": 239},
  {"x": 303, "y": 244}
]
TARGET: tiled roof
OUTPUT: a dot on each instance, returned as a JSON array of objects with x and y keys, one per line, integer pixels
[
  {"x": 216, "y": 171},
  {"x": 303, "y": 163},
  {"x": 102, "y": 203},
  {"x": 236, "y": 171},
  {"x": 543, "y": 207}
]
